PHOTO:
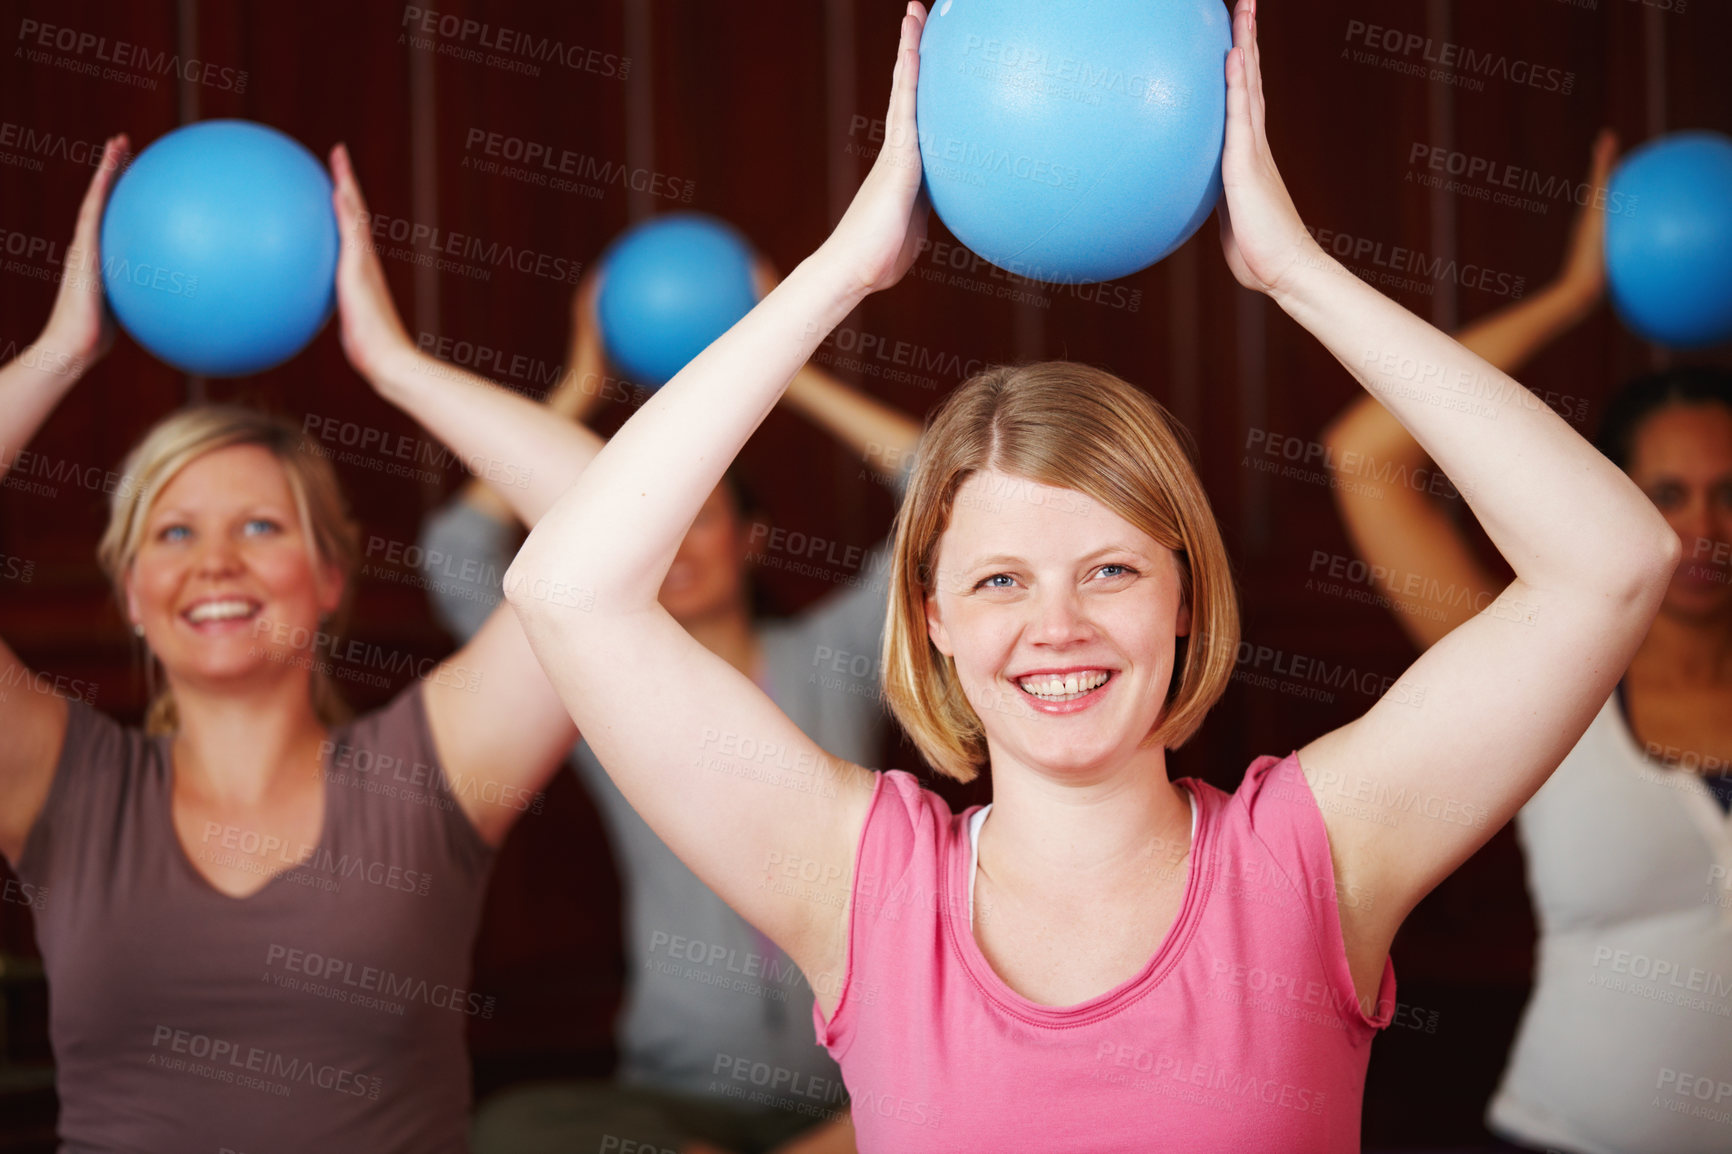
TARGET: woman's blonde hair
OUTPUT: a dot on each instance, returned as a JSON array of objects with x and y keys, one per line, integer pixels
[
  {"x": 174, "y": 443},
  {"x": 1065, "y": 426}
]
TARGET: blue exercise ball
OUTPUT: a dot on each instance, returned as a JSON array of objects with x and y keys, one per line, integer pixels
[
  {"x": 1074, "y": 141},
  {"x": 219, "y": 248},
  {"x": 669, "y": 288},
  {"x": 1669, "y": 239}
]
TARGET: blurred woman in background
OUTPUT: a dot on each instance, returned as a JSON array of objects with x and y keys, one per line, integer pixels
[
  {"x": 753, "y": 1006},
  {"x": 259, "y": 910},
  {"x": 1629, "y": 845}
]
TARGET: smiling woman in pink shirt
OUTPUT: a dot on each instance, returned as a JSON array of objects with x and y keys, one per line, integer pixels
[{"x": 1104, "y": 959}]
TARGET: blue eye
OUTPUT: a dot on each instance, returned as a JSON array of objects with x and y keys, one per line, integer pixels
[
  {"x": 1123, "y": 571},
  {"x": 258, "y": 525},
  {"x": 173, "y": 533},
  {"x": 988, "y": 583}
]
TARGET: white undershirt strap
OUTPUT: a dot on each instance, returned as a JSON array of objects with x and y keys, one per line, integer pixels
[{"x": 979, "y": 818}]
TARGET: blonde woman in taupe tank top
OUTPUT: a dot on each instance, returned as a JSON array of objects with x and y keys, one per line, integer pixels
[{"x": 256, "y": 914}]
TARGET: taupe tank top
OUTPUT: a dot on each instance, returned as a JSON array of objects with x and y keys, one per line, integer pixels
[{"x": 325, "y": 1012}]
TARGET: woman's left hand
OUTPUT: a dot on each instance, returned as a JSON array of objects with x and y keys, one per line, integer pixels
[
  {"x": 880, "y": 236},
  {"x": 1261, "y": 232},
  {"x": 80, "y": 328},
  {"x": 372, "y": 332}
]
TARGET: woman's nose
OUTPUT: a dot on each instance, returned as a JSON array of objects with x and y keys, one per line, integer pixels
[
  {"x": 1059, "y": 617},
  {"x": 218, "y": 556},
  {"x": 1695, "y": 525}
]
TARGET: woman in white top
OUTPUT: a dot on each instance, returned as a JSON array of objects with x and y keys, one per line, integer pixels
[{"x": 1626, "y": 1043}]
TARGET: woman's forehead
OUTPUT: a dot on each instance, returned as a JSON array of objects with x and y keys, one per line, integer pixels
[
  {"x": 1684, "y": 438},
  {"x": 233, "y": 475},
  {"x": 999, "y": 514}
]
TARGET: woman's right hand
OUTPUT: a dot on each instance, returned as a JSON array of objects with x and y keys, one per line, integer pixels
[
  {"x": 880, "y": 235},
  {"x": 80, "y": 330},
  {"x": 579, "y": 391},
  {"x": 372, "y": 333},
  {"x": 1584, "y": 271}
]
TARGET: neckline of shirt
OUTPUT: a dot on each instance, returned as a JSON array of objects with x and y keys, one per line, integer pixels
[
  {"x": 1160, "y": 962},
  {"x": 978, "y": 818},
  {"x": 1694, "y": 792}
]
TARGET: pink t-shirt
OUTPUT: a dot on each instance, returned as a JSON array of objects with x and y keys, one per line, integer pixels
[{"x": 1243, "y": 1032}]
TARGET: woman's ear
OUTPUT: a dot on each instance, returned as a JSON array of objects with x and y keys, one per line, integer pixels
[
  {"x": 754, "y": 533},
  {"x": 1182, "y": 624},
  {"x": 134, "y": 611},
  {"x": 330, "y": 588},
  {"x": 935, "y": 627}
]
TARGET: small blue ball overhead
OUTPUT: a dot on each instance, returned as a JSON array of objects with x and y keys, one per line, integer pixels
[
  {"x": 1074, "y": 141},
  {"x": 1669, "y": 239},
  {"x": 219, "y": 248},
  {"x": 669, "y": 288}
]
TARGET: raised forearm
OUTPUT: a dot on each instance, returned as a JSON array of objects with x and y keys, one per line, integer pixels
[
  {"x": 526, "y": 454},
  {"x": 1560, "y": 513},
  {"x": 575, "y": 398},
  {"x": 881, "y": 436},
  {"x": 76, "y": 334},
  {"x": 1506, "y": 340},
  {"x": 647, "y": 486},
  {"x": 1509, "y": 338},
  {"x": 579, "y": 392},
  {"x": 31, "y": 385}
]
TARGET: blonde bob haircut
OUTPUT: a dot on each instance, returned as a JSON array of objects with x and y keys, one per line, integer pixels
[
  {"x": 174, "y": 443},
  {"x": 1065, "y": 426}
]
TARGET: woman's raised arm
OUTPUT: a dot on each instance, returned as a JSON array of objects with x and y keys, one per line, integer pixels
[
  {"x": 500, "y": 729},
  {"x": 700, "y": 751},
  {"x": 1476, "y": 725},
  {"x": 884, "y": 438},
  {"x": 78, "y": 332},
  {"x": 79, "y": 329},
  {"x": 1404, "y": 529}
]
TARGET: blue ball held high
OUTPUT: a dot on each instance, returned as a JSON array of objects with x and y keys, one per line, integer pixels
[
  {"x": 669, "y": 288},
  {"x": 1074, "y": 141},
  {"x": 1669, "y": 239},
  {"x": 219, "y": 248}
]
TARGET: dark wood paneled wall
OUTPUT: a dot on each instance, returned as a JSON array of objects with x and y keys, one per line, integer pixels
[{"x": 762, "y": 114}]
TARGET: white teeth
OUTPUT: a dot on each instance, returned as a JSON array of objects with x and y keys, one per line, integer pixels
[
  {"x": 1052, "y": 687},
  {"x": 220, "y": 611}
]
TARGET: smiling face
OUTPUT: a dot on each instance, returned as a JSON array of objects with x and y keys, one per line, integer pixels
[
  {"x": 224, "y": 581},
  {"x": 1060, "y": 617},
  {"x": 1681, "y": 456}
]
